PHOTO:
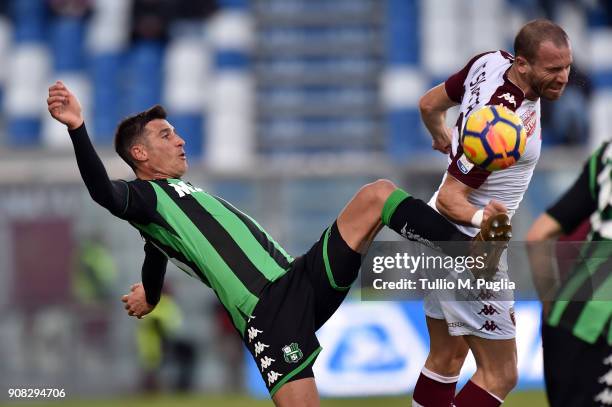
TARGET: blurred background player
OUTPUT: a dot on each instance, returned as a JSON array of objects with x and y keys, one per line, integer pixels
[
  {"x": 160, "y": 345},
  {"x": 539, "y": 69},
  {"x": 577, "y": 308}
]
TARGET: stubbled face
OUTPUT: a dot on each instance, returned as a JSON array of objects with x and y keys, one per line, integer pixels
[
  {"x": 165, "y": 156},
  {"x": 549, "y": 72}
]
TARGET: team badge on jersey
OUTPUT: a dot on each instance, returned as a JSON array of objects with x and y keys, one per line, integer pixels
[
  {"x": 529, "y": 121},
  {"x": 464, "y": 164},
  {"x": 292, "y": 353}
]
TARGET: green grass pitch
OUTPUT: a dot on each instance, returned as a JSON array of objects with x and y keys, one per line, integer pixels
[{"x": 516, "y": 399}]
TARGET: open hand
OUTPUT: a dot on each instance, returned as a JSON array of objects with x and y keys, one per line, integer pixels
[{"x": 64, "y": 106}]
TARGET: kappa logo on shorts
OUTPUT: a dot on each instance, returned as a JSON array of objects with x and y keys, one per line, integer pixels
[
  {"x": 490, "y": 326},
  {"x": 605, "y": 397},
  {"x": 485, "y": 295},
  {"x": 265, "y": 362},
  {"x": 488, "y": 310},
  {"x": 272, "y": 377},
  {"x": 292, "y": 353},
  {"x": 260, "y": 347},
  {"x": 607, "y": 379},
  {"x": 252, "y": 333}
]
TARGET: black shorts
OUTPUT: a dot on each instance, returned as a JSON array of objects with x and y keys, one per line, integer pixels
[
  {"x": 577, "y": 373},
  {"x": 280, "y": 334}
]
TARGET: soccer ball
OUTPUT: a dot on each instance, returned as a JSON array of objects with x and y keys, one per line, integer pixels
[{"x": 493, "y": 137}]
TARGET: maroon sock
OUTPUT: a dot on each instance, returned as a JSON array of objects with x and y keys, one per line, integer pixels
[
  {"x": 434, "y": 390},
  {"x": 472, "y": 395}
]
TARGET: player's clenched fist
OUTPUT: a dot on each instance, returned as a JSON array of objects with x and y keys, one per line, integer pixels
[
  {"x": 442, "y": 141},
  {"x": 493, "y": 208},
  {"x": 136, "y": 302},
  {"x": 64, "y": 106}
]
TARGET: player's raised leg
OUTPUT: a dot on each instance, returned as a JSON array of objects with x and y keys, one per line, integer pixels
[
  {"x": 496, "y": 372},
  {"x": 382, "y": 203}
]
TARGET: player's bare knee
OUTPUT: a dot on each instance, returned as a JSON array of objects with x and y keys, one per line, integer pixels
[
  {"x": 501, "y": 380},
  {"x": 511, "y": 378},
  {"x": 377, "y": 192},
  {"x": 446, "y": 363}
]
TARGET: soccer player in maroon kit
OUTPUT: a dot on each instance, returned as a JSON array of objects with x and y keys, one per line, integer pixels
[{"x": 539, "y": 68}]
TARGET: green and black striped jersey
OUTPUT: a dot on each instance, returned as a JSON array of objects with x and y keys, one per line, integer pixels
[
  {"x": 209, "y": 239},
  {"x": 584, "y": 302}
]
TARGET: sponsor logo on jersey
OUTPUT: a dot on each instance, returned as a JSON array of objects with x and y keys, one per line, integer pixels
[
  {"x": 292, "y": 353},
  {"x": 182, "y": 188},
  {"x": 529, "y": 121},
  {"x": 474, "y": 94},
  {"x": 464, "y": 164}
]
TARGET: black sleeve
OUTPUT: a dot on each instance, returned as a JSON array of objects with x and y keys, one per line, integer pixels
[
  {"x": 153, "y": 272},
  {"x": 130, "y": 201},
  {"x": 578, "y": 202},
  {"x": 112, "y": 195}
]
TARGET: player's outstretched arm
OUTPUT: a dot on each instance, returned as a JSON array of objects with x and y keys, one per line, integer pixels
[
  {"x": 64, "y": 107},
  {"x": 541, "y": 254},
  {"x": 452, "y": 202},
  {"x": 575, "y": 206},
  {"x": 433, "y": 106}
]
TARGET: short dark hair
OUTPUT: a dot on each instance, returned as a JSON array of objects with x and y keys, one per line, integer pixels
[
  {"x": 528, "y": 40},
  {"x": 132, "y": 128}
]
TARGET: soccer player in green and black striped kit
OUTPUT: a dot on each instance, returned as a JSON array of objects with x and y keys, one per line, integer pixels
[
  {"x": 276, "y": 302},
  {"x": 577, "y": 330}
]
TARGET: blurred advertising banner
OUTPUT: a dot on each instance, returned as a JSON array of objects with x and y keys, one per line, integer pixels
[{"x": 379, "y": 348}]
